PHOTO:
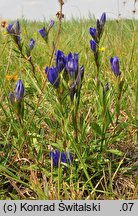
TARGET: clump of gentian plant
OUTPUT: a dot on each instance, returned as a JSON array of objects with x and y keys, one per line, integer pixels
[
  {"x": 17, "y": 99},
  {"x": 102, "y": 88},
  {"x": 14, "y": 30},
  {"x": 55, "y": 123},
  {"x": 67, "y": 76},
  {"x": 115, "y": 66},
  {"x": 96, "y": 34},
  {"x": 29, "y": 48}
]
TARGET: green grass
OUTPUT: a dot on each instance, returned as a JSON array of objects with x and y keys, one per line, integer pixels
[{"x": 105, "y": 156}]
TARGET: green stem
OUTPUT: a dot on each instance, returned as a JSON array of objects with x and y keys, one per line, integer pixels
[
  {"x": 96, "y": 56},
  {"x": 120, "y": 84}
]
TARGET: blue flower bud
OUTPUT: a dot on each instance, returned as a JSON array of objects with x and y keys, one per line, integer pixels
[
  {"x": 60, "y": 60},
  {"x": 103, "y": 19},
  {"x": 17, "y": 27},
  {"x": 93, "y": 32},
  {"x": 31, "y": 43},
  {"x": 63, "y": 157},
  {"x": 93, "y": 45},
  {"x": 69, "y": 64},
  {"x": 17, "y": 32},
  {"x": 80, "y": 75},
  {"x": 43, "y": 32},
  {"x": 72, "y": 64},
  {"x": 14, "y": 31},
  {"x": 100, "y": 25},
  {"x": 19, "y": 90},
  {"x": 76, "y": 64},
  {"x": 52, "y": 22},
  {"x": 72, "y": 91},
  {"x": 53, "y": 76},
  {"x": 55, "y": 156},
  {"x": 106, "y": 87},
  {"x": 10, "y": 29},
  {"x": 115, "y": 66}
]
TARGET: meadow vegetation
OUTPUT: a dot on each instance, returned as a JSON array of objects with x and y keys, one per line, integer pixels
[{"x": 95, "y": 129}]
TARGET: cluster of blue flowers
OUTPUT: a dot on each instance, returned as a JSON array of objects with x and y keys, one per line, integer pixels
[
  {"x": 70, "y": 66},
  {"x": 58, "y": 157},
  {"x": 97, "y": 32},
  {"x": 14, "y": 31}
]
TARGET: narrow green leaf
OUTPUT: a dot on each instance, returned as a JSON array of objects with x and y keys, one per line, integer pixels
[
  {"x": 96, "y": 128},
  {"x": 116, "y": 152}
]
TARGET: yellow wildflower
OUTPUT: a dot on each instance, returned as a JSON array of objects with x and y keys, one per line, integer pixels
[
  {"x": 11, "y": 77},
  {"x": 102, "y": 49},
  {"x": 4, "y": 33}
]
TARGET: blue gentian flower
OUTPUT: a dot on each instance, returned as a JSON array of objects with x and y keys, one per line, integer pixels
[
  {"x": 19, "y": 90},
  {"x": 93, "y": 45},
  {"x": 58, "y": 156},
  {"x": 115, "y": 66},
  {"x": 17, "y": 32},
  {"x": 60, "y": 60},
  {"x": 52, "y": 22},
  {"x": 103, "y": 19},
  {"x": 93, "y": 32},
  {"x": 31, "y": 43},
  {"x": 72, "y": 64},
  {"x": 100, "y": 25},
  {"x": 55, "y": 156},
  {"x": 76, "y": 64},
  {"x": 10, "y": 29},
  {"x": 14, "y": 31},
  {"x": 43, "y": 32},
  {"x": 17, "y": 27},
  {"x": 14, "y": 28},
  {"x": 63, "y": 157},
  {"x": 53, "y": 76}
]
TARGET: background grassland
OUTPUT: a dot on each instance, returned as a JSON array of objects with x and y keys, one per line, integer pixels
[{"x": 105, "y": 158}]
